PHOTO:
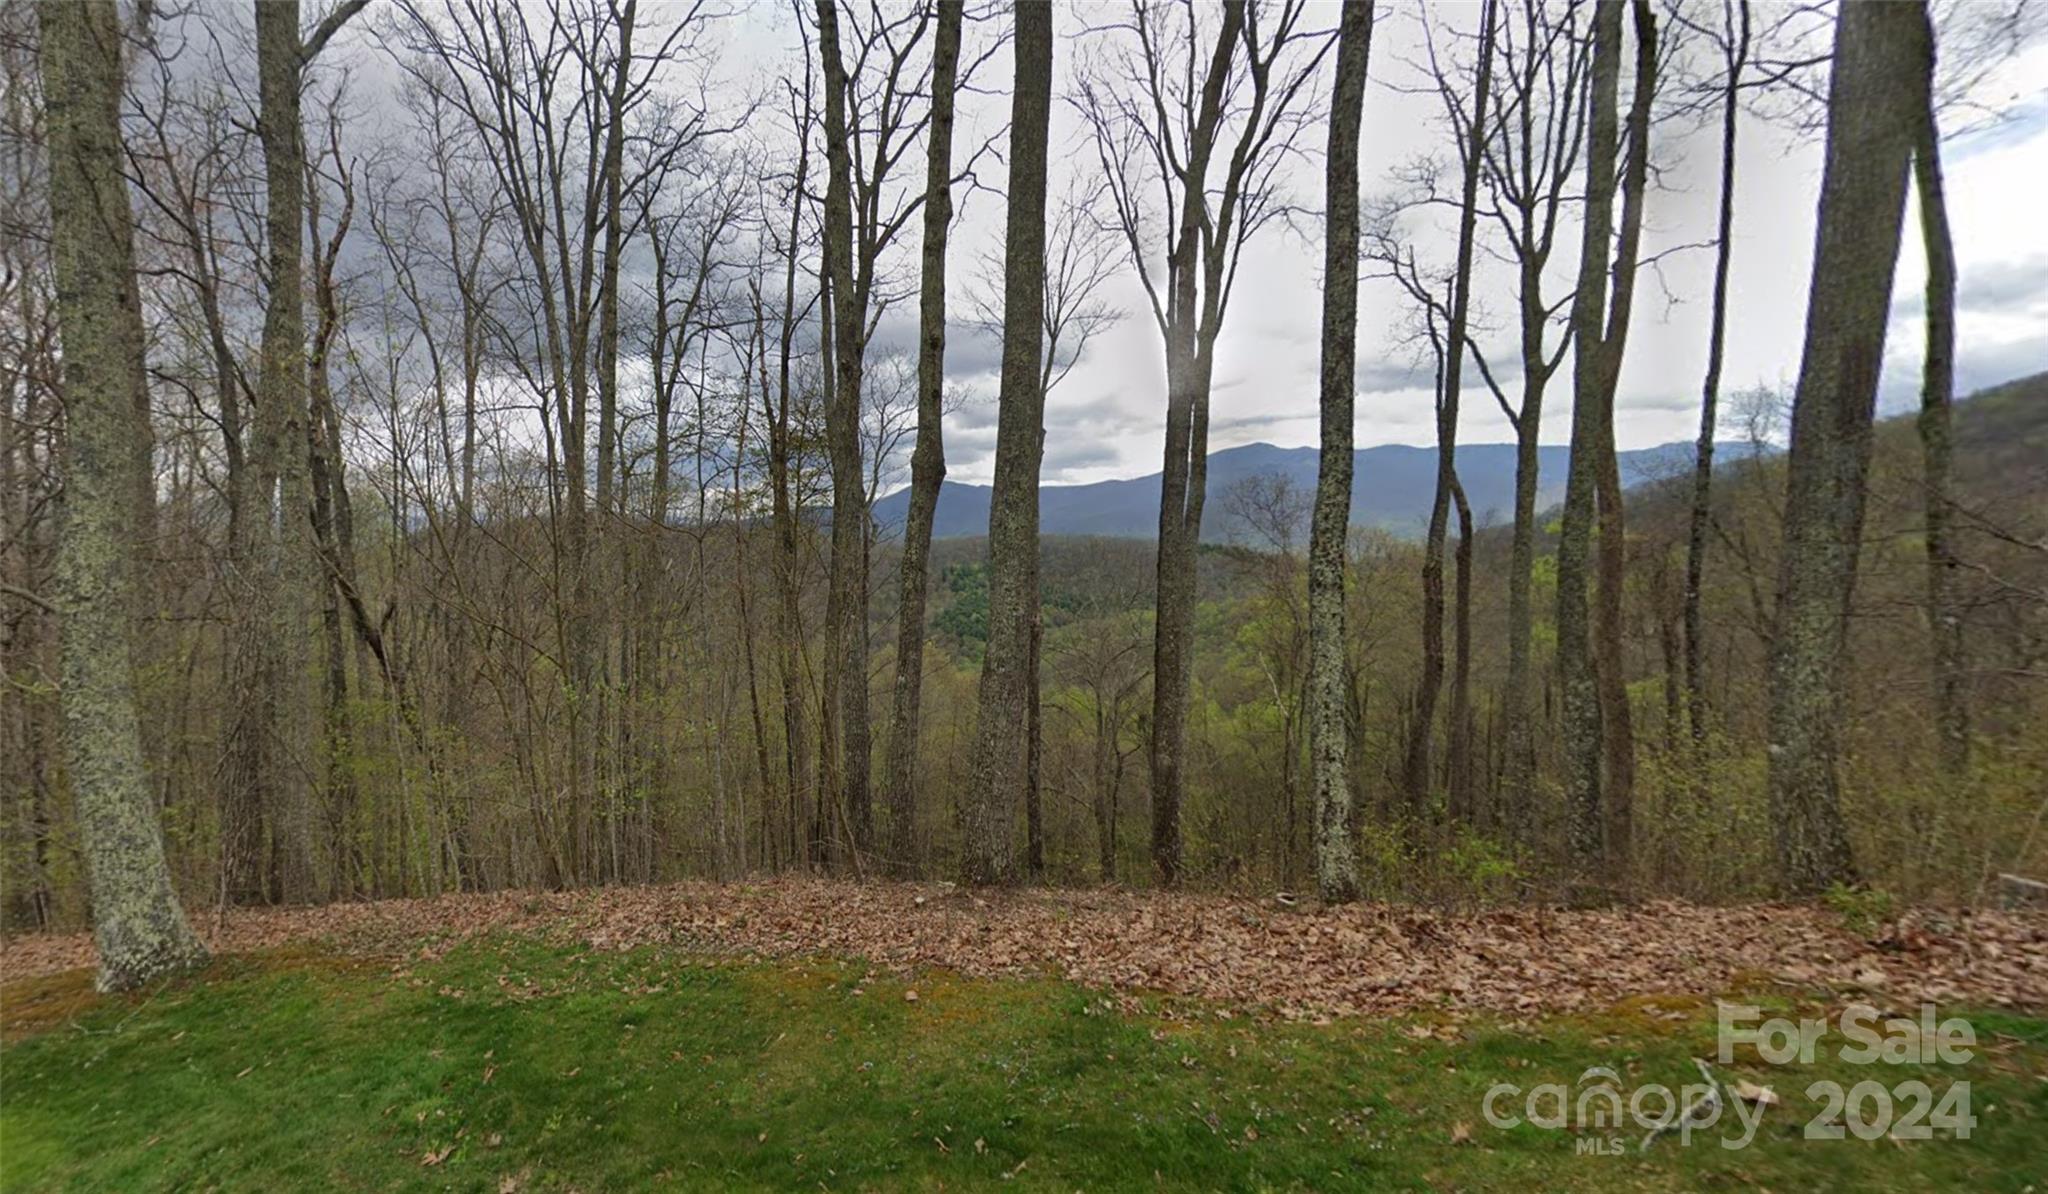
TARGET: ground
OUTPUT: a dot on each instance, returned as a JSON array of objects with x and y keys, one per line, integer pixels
[{"x": 845, "y": 1036}]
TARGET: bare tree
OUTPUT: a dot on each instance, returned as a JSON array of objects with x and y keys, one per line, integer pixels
[
  {"x": 1192, "y": 127},
  {"x": 1597, "y": 744},
  {"x": 1531, "y": 160},
  {"x": 1735, "y": 56},
  {"x": 1081, "y": 254},
  {"x": 928, "y": 458},
  {"x": 1469, "y": 131},
  {"x": 871, "y": 68},
  {"x": 277, "y": 748}
]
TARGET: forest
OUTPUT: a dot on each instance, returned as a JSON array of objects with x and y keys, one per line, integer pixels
[{"x": 517, "y": 451}]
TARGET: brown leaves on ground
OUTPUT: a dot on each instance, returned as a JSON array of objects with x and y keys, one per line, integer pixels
[{"x": 1303, "y": 963}]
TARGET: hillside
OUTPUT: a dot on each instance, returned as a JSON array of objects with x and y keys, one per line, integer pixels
[
  {"x": 1391, "y": 488},
  {"x": 2000, "y": 434}
]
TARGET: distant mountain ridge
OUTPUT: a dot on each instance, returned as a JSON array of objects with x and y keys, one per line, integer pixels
[{"x": 1392, "y": 488}]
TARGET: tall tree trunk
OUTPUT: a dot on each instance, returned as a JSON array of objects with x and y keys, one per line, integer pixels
[
  {"x": 1874, "y": 114},
  {"x": 333, "y": 540},
  {"x": 842, "y": 431},
  {"x": 1416, "y": 771},
  {"x": 1710, "y": 396},
  {"x": 611, "y": 699},
  {"x": 1937, "y": 393},
  {"x": 988, "y": 814},
  {"x": 1183, "y": 481},
  {"x": 1599, "y": 742},
  {"x": 1329, "y": 735},
  {"x": 138, "y": 926},
  {"x": 1619, "y": 741},
  {"x": 928, "y": 458},
  {"x": 782, "y": 460},
  {"x": 283, "y": 441},
  {"x": 1582, "y": 728},
  {"x": 1533, "y": 166}
]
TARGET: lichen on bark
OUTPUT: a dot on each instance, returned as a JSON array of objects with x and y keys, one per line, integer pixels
[{"x": 138, "y": 926}]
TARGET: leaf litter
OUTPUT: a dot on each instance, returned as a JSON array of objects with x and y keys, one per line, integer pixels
[{"x": 1302, "y": 962}]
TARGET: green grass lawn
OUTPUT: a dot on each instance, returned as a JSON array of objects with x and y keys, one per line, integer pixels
[{"x": 514, "y": 1065}]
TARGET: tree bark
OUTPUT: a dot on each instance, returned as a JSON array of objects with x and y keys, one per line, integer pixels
[
  {"x": 1874, "y": 114},
  {"x": 1458, "y": 775},
  {"x": 1599, "y": 746},
  {"x": 1329, "y": 527},
  {"x": 1416, "y": 770},
  {"x": 849, "y": 496},
  {"x": 1619, "y": 742},
  {"x": 1581, "y": 706},
  {"x": 139, "y": 927},
  {"x": 1937, "y": 394},
  {"x": 1710, "y": 395},
  {"x": 1537, "y": 147},
  {"x": 283, "y": 439},
  {"x": 928, "y": 458},
  {"x": 988, "y": 814},
  {"x": 1183, "y": 480}
]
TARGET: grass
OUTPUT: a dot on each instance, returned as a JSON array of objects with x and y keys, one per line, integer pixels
[{"x": 513, "y": 1065}]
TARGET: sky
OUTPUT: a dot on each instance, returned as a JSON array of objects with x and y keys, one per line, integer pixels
[{"x": 1105, "y": 419}]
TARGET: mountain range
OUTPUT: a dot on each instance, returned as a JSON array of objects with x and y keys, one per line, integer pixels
[{"x": 1392, "y": 487}]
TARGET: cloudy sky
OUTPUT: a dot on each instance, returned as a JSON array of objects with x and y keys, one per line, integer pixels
[{"x": 1105, "y": 419}]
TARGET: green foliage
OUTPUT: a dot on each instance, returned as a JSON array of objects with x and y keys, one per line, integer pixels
[
  {"x": 1484, "y": 866},
  {"x": 966, "y": 616},
  {"x": 514, "y": 1065},
  {"x": 1861, "y": 908}
]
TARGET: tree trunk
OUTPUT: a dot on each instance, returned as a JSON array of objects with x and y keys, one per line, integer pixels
[
  {"x": 1710, "y": 395},
  {"x": 138, "y": 926},
  {"x": 849, "y": 496},
  {"x": 928, "y": 458},
  {"x": 1183, "y": 480},
  {"x": 283, "y": 440},
  {"x": 1329, "y": 527},
  {"x": 1874, "y": 112},
  {"x": 1599, "y": 745},
  {"x": 1416, "y": 772},
  {"x": 1519, "y": 788},
  {"x": 333, "y": 540},
  {"x": 1937, "y": 392},
  {"x": 1619, "y": 742},
  {"x": 1582, "y": 729},
  {"x": 1458, "y": 777},
  {"x": 988, "y": 814}
]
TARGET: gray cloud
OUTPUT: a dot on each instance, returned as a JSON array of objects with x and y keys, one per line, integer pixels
[
  {"x": 1978, "y": 366},
  {"x": 2005, "y": 287},
  {"x": 1067, "y": 454}
]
